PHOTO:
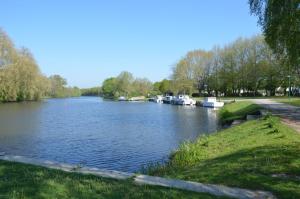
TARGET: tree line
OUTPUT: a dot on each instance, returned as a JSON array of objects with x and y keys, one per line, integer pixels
[
  {"x": 245, "y": 67},
  {"x": 94, "y": 91},
  {"x": 21, "y": 78}
]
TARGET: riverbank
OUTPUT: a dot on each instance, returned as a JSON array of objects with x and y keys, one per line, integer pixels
[{"x": 260, "y": 154}]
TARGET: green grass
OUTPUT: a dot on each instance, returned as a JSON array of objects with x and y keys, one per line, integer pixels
[
  {"x": 26, "y": 181},
  {"x": 237, "y": 110},
  {"x": 292, "y": 101},
  {"x": 243, "y": 156}
]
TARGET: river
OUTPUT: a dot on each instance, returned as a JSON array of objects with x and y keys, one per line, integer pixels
[{"x": 94, "y": 132}]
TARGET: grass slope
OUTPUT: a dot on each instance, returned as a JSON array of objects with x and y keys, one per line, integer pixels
[
  {"x": 243, "y": 156},
  {"x": 237, "y": 110},
  {"x": 26, "y": 181}
]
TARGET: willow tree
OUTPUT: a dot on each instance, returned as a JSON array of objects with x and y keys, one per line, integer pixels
[
  {"x": 280, "y": 20},
  {"x": 20, "y": 77}
]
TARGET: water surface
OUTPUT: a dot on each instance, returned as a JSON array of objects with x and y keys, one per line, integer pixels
[{"x": 105, "y": 134}]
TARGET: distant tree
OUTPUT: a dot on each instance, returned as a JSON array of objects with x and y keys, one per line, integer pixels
[
  {"x": 124, "y": 83},
  {"x": 141, "y": 87},
  {"x": 183, "y": 80},
  {"x": 156, "y": 90},
  {"x": 58, "y": 85},
  {"x": 94, "y": 91},
  {"x": 280, "y": 20},
  {"x": 191, "y": 72},
  {"x": 165, "y": 86},
  {"x": 109, "y": 87}
]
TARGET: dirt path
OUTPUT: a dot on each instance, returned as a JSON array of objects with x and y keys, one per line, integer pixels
[{"x": 290, "y": 114}]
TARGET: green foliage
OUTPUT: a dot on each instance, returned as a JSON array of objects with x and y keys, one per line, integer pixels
[
  {"x": 109, "y": 87},
  {"x": 162, "y": 87},
  {"x": 26, "y": 181},
  {"x": 95, "y": 91},
  {"x": 243, "y": 156},
  {"x": 20, "y": 77},
  {"x": 165, "y": 86},
  {"x": 126, "y": 85},
  {"x": 59, "y": 89},
  {"x": 280, "y": 21}
]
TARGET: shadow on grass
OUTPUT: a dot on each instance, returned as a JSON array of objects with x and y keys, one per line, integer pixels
[
  {"x": 25, "y": 181},
  {"x": 250, "y": 168}
]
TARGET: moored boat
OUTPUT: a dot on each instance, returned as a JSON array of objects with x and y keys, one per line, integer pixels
[
  {"x": 186, "y": 100},
  {"x": 183, "y": 100},
  {"x": 158, "y": 99},
  {"x": 122, "y": 98},
  {"x": 167, "y": 99},
  {"x": 212, "y": 102}
]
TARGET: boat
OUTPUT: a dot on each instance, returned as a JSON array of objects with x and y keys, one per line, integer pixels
[
  {"x": 122, "y": 98},
  {"x": 185, "y": 100},
  {"x": 137, "y": 99},
  {"x": 212, "y": 102},
  {"x": 158, "y": 99},
  {"x": 167, "y": 99}
]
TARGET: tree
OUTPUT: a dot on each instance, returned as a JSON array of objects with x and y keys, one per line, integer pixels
[
  {"x": 57, "y": 88},
  {"x": 182, "y": 77},
  {"x": 94, "y": 91},
  {"x": 280, "y": 20},
  {"x": 165, "y": 86},
  {"x": 141, "y": 87},
  {"x": 20, "y": 77},
  {"x": 124, "y": 83},
  {"x": 109, "y": 87}
]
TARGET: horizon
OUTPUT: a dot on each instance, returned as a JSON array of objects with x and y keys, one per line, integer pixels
[{"x": 143, "y": 38}]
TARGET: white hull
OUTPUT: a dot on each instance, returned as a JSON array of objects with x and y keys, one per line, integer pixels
[
  {"x": 183, "y": 100},
  {"x": 213, "y": 104}
]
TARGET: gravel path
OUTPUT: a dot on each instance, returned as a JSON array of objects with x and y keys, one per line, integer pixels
[{"x": 290, "y": 114}]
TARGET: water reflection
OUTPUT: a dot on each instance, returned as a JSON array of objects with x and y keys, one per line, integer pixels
[{"x": 105, "y": 134}]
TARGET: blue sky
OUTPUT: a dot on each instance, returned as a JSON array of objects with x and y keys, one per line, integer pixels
[{"x": 88, "y": 41}]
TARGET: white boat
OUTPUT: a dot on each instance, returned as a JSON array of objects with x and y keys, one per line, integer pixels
[
  {"x": 137, "y": 99},
  {"x": 183, "y": 100},
  {"x": 158, "y": 99},
  {"x": 122, "y": 98},
  {"x": 167, "y": 99},
  {"x": 212, "y": 102},
  {"x": 186, "y": 100}
]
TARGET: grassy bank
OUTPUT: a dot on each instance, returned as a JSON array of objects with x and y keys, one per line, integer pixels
[
  {"x": 237, "y": 111},
  {"x": 26, "y": 181},
  {"x": 245, "y": 156}
]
